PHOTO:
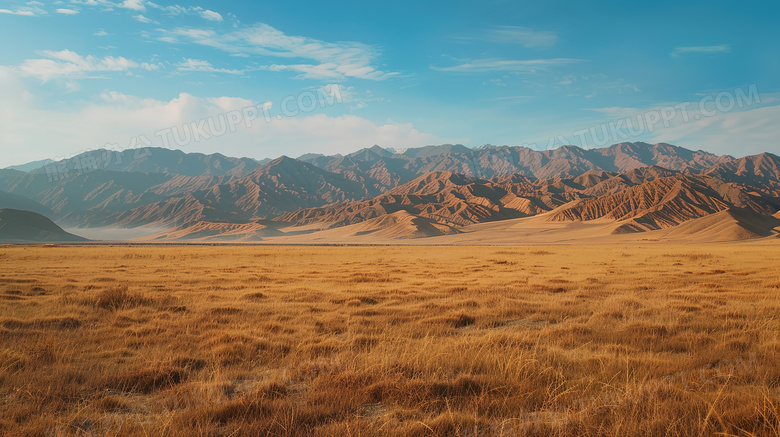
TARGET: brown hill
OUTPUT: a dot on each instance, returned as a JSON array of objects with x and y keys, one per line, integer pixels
[
  {"x": 616, "y": 182},
  {"x": 657, "y": 204},
  {"x": 396, "y": 226},
  {"x": 217, "y": 232},
  {"x": 728, "y": 225},
  {"x": 444, "y": 197},
  {"x": 757, "y": 172}
]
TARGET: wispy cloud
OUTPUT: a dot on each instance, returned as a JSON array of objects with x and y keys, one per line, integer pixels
[
  {"x": 144, "y": 19},
  {"x": 329, "y": 61},
  {"x": 511, "y": 65},
  {"x": 104, "y": 5},
  {"x": 203, "y": 66},
  {"x": 496, "y": 82},
  {"x": 753, "y": 128},
  {"x": 515, "y": 35},
  {"x": 18, "y": 12},
  {"x": 309, "y": 58},
  {"x": 188, "y": 10},
  {"x": 680, "y": 51},
  {"x": 32, "y": 9},
  {"x": 148, "y": 6},
  {"x": 66, "y": 64}
]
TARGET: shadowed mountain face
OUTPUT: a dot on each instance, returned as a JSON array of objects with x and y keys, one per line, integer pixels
[
  {"x": 18, "y": 226},
  {"x": 435, "y": 190},
  {"x": 282, "y": 185},
  {"x": 13, "y": 201}
]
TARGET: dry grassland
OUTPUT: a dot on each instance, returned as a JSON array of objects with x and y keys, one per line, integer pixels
[{"x": 407, "y": 341}]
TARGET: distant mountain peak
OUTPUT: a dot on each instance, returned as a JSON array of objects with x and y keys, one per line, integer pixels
[{"x": 381, "y": 151}]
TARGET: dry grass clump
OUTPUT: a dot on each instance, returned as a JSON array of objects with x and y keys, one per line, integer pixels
[
  {"x": 145, "y": 380},
  {"x": 117, "y": 298},
  {"x": 403, "y": 341}
]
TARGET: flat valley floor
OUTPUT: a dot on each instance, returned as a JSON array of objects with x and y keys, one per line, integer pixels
[{"x": 633, "y": 339}]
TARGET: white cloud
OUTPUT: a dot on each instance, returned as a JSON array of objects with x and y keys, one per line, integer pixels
[
  {"x": 116, "y": 118},
  {"x": 67, "y": 11},
  {"x": 100, "y": 32},
  {"x": 211, "y": 15},
  {"x": 680, "y": 51},
  {"x": 331, "y": 61},
  {"x": 136, "y": 5},
  {"x": 338, "y": 91},
  {"x": 203, "y": 66},
  {"x": 516, "y": 35},
  {"x": 66, "y": 64},
  {"x": 518, "y": 66}
]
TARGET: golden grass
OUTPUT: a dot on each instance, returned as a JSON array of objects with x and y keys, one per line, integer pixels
[{"x": 406, "y": 341}]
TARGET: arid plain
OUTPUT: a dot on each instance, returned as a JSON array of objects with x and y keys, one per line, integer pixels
[{"x": 619, "y": 339}]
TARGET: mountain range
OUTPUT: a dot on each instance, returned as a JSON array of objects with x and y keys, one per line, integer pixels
[{"x": 381, "y": 194}]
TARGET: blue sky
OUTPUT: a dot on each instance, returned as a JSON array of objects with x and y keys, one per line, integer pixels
[{"x": 77, "y": 75}]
